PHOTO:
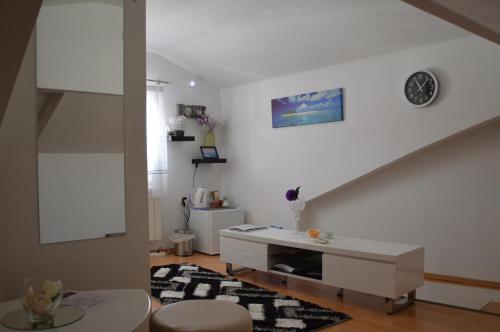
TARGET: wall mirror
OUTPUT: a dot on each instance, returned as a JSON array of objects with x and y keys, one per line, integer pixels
[{"x": 80, "y": 119}]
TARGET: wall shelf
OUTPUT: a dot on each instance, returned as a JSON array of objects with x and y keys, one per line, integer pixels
[
  {"x": 209, "y": 161},
  {"x": 180, "y": 138}
]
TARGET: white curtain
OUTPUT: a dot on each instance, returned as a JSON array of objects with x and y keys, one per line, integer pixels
[{"x": 156, "y": 126}]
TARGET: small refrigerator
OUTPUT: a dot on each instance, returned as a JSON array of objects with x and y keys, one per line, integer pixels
[{"x": 206, "y": 225}]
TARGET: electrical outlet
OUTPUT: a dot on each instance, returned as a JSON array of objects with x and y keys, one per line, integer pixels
[{"x": 183, "y": 201}]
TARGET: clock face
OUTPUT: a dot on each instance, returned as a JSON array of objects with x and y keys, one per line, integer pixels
[{"x": 421, "y": 88}]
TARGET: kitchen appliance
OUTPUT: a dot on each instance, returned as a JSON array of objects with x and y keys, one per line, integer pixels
[
  {"x": 206, "y": 224},
  {"x": 200, "y": 198}
]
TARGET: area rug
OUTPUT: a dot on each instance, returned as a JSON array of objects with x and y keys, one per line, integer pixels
[{"x": 270, "y": 311}]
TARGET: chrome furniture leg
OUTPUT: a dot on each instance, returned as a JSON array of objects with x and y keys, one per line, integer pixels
[
  {"x": 284, "y": 281},
  {"x": 230, "y": 271},
  {"x": 393, "y": 306}
]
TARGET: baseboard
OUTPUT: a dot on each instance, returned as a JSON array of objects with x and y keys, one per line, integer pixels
[{"x": 433, "y": 277}]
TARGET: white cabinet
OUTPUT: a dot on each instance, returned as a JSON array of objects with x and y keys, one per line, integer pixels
[
  {"x": 382, "y": 278},
  {"x": 385, "y": 269},
  {"x": 372, "y": 277},
  {"x": 206, "y": 224},
  {"x": 245, "y": 253}
]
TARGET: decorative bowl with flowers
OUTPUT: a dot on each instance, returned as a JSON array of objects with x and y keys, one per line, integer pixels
[{"x": 42, "y": 295}]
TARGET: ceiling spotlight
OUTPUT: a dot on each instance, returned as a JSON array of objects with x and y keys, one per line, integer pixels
[{"x": 192, "y": 83}]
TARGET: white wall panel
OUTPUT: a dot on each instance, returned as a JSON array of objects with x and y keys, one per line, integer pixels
[{"x": 81, "y": 196}]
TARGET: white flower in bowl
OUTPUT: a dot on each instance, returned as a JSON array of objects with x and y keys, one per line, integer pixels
[
  {"x": 41, "y": 297},
  {"x": 52, "y": 288}
]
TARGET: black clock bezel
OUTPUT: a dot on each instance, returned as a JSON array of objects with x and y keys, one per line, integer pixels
[{"x": 436, "y": 89}]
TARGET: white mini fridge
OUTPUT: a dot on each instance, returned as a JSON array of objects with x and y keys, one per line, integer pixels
[{"x": 206, "y": 225}]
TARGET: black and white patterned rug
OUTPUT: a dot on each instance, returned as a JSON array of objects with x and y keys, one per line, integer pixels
[{"x": 270, "y": 311}]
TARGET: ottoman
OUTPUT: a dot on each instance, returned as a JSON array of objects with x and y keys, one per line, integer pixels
[{"x": 201, "y": 315}]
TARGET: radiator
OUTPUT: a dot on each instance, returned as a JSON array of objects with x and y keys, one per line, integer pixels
[{"x": 154, "y": 219}]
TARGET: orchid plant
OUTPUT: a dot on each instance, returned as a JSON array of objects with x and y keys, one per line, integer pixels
[{"x": 208, "y": 123}]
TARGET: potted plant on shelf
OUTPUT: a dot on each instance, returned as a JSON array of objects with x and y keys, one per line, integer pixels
[{"x": 176, "y": 125}]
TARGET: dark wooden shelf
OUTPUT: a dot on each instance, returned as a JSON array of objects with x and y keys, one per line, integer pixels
[
  {"x": 209, "y": 161},
  {"x": 179, "y": 138}
]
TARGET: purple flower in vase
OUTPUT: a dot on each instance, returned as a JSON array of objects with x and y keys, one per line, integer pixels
[
  {"x": 208, "y": 123},
  {"x": 292, "y": 194}
]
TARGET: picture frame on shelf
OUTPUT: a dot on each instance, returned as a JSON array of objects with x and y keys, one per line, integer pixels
[{"x": 209, "y": 152}]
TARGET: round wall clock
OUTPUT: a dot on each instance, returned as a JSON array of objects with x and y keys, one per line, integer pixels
[{"x": 421, "y": 88}]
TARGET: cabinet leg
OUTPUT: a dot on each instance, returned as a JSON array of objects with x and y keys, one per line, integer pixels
[
  {"x": 284, "y": 281},
  {"x": 340, "y": 292},
  {"x": 393, "y": 306},
  {"x": 229, "y": 269},
  {"x": 231, "y": 272}
]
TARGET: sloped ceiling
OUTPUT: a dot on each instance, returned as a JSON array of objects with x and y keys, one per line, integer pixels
[{"x": 233, "y": 42}]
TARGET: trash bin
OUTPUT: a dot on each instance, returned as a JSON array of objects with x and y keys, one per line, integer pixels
[{"x": 183, "y": 242}]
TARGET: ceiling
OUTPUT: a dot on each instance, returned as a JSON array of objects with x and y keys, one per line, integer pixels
[{"x": 233, "y": 42}]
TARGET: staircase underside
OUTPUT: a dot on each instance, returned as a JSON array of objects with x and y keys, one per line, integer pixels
[
  {"x": 17, "y": 19},
  {"x": 481, "y": 17},
  {"x": 391, "y": 163}
]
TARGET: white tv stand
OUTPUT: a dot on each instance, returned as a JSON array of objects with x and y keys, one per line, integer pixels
[{"x": 386, "y": 269}]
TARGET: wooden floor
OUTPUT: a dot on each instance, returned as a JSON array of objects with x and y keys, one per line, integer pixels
[
  {"x": 367, "y": 311},
  {"x": 492, "y": 307}
]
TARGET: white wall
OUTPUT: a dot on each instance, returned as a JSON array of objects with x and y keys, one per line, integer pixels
[
  {"x": 81, "y": 168},
  {"x": 80, "y": 46},
  {"x": 81, "y": 195},
  {"x": 379, "y": 127},
  {"x": 180, "y": 169},
  {"x": 446, "y": 198}
]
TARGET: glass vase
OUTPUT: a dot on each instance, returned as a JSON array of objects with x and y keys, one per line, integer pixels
[
  {"x": 297, "y": 206},
  {"x": 209, "y": 138},
  {"x": 41, "y": 296}
]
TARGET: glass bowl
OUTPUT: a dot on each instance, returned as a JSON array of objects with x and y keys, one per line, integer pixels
[{"x": 41, "y": 296}]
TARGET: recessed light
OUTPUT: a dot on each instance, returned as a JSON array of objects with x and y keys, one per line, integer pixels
[{"x": 192, "y": 83}]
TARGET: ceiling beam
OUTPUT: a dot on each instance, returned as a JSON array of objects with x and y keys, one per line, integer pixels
[
  {"x": 481, "y": 17},
  {"x": 17, "y": 19}
]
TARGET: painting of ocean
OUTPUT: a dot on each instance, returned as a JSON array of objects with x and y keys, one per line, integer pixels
[{"x": 308, "y": 108}]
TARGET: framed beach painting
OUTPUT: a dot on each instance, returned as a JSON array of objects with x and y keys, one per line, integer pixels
[{"x": 308, "y": 108}]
